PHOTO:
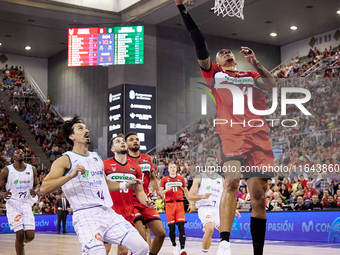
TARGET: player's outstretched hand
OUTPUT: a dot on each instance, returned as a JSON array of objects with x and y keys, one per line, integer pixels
[
  {"x": 190, "y": 208},
  {"x": 134, "y": 183},
  {"x": 78, "y": 168},
  {"x": 249, "y": 55},
  {"x": 178, "y": 2},
  {"x": 151, "y": 204},
  {"x": 7, "y": 194},
  {"x": 33, "y": 193},
  {"x": 237, "y": 213},
  {"x": 206, "y": 195}
]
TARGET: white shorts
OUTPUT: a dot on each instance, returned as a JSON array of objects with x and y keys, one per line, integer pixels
[
  {"x": 20, "y": 215},
  {"x": 209, "y": 214},
  {"x": 96, "y": 225}
]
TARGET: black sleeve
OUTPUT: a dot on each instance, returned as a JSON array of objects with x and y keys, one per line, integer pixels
[{"x": 195, "y": 33}]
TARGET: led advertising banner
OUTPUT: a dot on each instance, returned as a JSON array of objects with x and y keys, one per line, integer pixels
[
  {"x": 282, "y": 226},
  {"x": 115, "y": 113},
  {"x": 96, "y": 46},
  {"x": 132, "y": 108},
  {"x": 140, "y": 114}
]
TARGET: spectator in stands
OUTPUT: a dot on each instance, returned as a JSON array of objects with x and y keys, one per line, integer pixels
[
  {"x": 315, "y": 205},
  {"x": 300, "y": 206},
  {"x": 278, "y": 206},
  {"x": 298, "y": 192},
  {"x": 322, "y": 184},
  {"x": 243, "y": 184},
  {"x": 284, "y": 194},
  {"x": 324, "y": 199},
  {"x": 309, "y": 191},
  {"x": 331, "y": 202},
  {"x": 295, "y": 183},
  {"x": 303, "y": 181}
]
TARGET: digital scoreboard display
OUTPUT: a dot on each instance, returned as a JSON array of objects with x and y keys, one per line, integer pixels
[{"x": 104, "y": 46}]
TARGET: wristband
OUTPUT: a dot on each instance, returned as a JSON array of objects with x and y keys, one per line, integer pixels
[{"x": 122, "y": 185}]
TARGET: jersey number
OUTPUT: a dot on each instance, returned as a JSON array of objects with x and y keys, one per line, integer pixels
[
  {"x": 214, "y": 203},
  {"x": 174, "y": 189},
  {"x": 100, "y": 195},
  {"x": 22, "y": 194},
  {"x": 124, "y": 191}
]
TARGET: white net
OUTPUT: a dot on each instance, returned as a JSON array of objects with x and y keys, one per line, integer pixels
[{"x": 229, "y": 7}]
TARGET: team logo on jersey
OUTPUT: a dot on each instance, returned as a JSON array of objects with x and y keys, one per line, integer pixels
[
  {"x": 218, "y": 182},
  {"x": 113, "y": 169},
  {"x": 99, "y": 237},
  {"x": 95, "y": 159},
  {"x": 17, "y": 218},
  {"x": 28, "y": 173},
  {"x": 86, "y": 174},
  {"x": 209, "y": 187},
  {"x": 16, "y": 181},
  {"x": 145, "y": 160},
  {"x": 132, "y": 169}
]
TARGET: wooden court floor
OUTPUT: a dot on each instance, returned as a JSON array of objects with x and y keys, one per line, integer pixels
[{"x": 53, "y": 244}]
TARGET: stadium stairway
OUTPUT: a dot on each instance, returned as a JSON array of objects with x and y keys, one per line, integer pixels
[{"x": 25, "y": 132}]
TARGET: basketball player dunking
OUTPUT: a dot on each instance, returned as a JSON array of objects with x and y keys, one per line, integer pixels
[
  {"x": 81, "y": 175},
  {"x": 239, "y": 145}
]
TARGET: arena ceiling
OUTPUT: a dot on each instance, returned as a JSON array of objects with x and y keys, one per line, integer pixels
[{"x": 43, "y": 24}]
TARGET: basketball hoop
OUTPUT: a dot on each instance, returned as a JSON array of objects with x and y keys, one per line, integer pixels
[{"x": 229, "y": 7}]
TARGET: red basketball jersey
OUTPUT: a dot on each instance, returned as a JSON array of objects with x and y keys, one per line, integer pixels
[
  {"x": 177, "y": 183},
  {"x": 145, "y": 163},
  {"x": 122, "y": 199},
  {"x": 248, "y": 123}
]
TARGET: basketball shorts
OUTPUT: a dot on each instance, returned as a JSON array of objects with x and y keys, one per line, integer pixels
[
  {"x": 144, "y": 213},
  {"x": 209, "y": 214},
  {"x": 174, "y": 212},
  {"x": 127, "y": 213},
  {"x": 96, "y": 225},
  {"x": 254, "y": 151},
  {"x": 20, "y": 215}
]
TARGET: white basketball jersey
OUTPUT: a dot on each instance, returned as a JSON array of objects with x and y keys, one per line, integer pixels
[
  {"x": 213, "y": 186},
  {"x": 90, "y": 189},
  {"x": 20, "y": 183}
]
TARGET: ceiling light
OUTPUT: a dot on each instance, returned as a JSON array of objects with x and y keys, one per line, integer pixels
[
  {"x": 293, "y": 27},
  {"x": 273, "y": 34},
  {"x": 0, "y": 43},
  {"x": 27, "y": 47},
  {"x": 338, "y": 12}
]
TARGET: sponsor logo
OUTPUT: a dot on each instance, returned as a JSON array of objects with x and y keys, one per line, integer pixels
[
  {"x": 93, "y": 173},
  {"x": 95, "y": 183},
  {"x": 208, "y": 216},
  {"x": 86, "y": 174},
  {"x": 307, "y": 228},
  {"x": 209, "y": 187},
  {"x": 17, "y": 218},
  {"x": 99, "y": 237},
  {"x": 145, "y": 167},
  {"x": 121, "y": 178},
  {"x": 16, "y": 181}
]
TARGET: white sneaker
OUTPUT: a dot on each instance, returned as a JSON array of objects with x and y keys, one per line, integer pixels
[
  {"x": 175, "y": 250},
  {"x": 224, "y": 248},
  {"x": 183, "y": 252}
]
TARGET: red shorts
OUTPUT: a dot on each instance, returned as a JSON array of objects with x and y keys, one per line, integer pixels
[
  {"x": 174, "y": 212},
  {"x": 127, "y": 214},
  {"x": 144, "y": 213},
  {"x": 253, "y": 150}
]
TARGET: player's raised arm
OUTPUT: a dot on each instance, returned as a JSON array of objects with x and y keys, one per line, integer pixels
[
  {"x": 267, "y": 82},
  {"x": 197, "y": 36},
  {"x": 55, "y": 178}
]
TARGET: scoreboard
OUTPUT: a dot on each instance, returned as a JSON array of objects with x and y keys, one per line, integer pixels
[{"x": 104, "y": 46}]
